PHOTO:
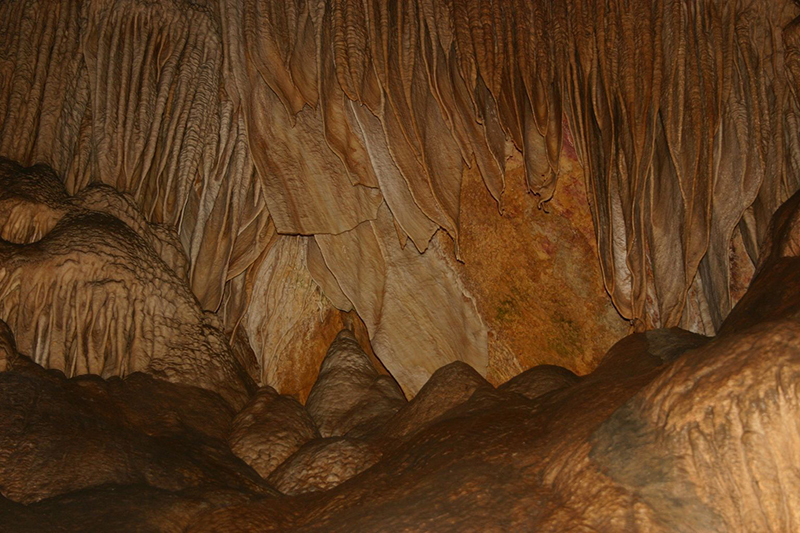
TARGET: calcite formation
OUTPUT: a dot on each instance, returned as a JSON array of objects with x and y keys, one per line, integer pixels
[
  {"x": 86, "y": 293},
  {"x": 672, "y": 432},
  {"x": 269, "y": 429},
  {"x": 353, "y": 122},
  {"x": 407, "y": 265}
]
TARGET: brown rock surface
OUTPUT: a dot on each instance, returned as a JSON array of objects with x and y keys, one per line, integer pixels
[
  {"x": 116, "y": 508},
  {"x": 278, "y": 151},
  {"x": 62, "y": 435},
  {"x": 8, "y": 348},
  {"x": 672, "y": 432},
  {"x": 531, "y": 272},
  {"x": 322, "y": 464},
  {"x": 349, "y": 394},
  {"x": 448, "y": 387},
  {"x": 269, "y": 429},
  {"x": 540, "y": 380}
]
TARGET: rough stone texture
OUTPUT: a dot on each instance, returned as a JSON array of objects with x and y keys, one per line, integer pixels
[
  {"x": 371, "y": 105},
  {"x": 323, "y": 464},
  {"x": 8, "y": 348},
  {"x": 117, "y": 508},
  {"x": 775, "y": 290},
  {"x": 269, "y": 429},
  {"x": 62, "y": 435},
  {"x": 366, "y": 151},
  {"x": 683, "y": 115},
  {"x": 84, "y": 292},
  {"x": 289, "y": 322},
  {"x": 391, "y": 285},
  {"x": 540, "y": 380},
  {"x": 349, "y": 394}
]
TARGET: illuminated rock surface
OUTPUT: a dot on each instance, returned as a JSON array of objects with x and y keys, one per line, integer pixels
[
  {"x": 419, "y": 265},
  {"x": 693, "y": 433}
]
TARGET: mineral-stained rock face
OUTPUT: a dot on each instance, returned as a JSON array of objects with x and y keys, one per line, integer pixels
[
  {"x": 372, "y": 129},
  {"x": 672, "y": 432},
  {"x": 85, "y": 292},
  {"x": 688, "y": 137},
  {"x": 466, "y": 203}
]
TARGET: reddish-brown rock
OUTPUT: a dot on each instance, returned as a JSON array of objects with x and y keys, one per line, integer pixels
[
  {"x": 540, "y": 380},
  {"x": 447, "y": 388},
  {"x": 62, "y": 435}
]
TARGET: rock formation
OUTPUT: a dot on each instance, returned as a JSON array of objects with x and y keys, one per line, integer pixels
[
  {"x": 407, "y": 265},
  {"x": 85, "y": 293},
  {"x": 269, "y": 429}
]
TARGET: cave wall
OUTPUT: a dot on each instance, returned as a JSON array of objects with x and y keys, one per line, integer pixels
[{"x": 250, "y": 126}]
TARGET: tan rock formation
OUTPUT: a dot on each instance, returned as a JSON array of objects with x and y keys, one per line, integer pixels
[
  {"x": 86, "y": 293},
  {"x": 269, "y": 429},
  {"x": 672, "y": 432},
  {"x": 483, "y": 192},
  {"x": 448, "y": 387},
  {"x": 322, "y": 464},
  {"x": 540, "y": 380},
  {"x": 350, "y": 396},
  {"x": 240, "y": 119}
]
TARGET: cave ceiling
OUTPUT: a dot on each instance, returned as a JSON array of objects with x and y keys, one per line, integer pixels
[{"x": 367, "y": 156}]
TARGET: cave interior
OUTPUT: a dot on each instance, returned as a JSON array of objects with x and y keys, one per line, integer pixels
[{"x": 399, "y": 265}]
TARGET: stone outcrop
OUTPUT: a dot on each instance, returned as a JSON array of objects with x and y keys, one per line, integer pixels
[
  {"x": 466, "y": 203},
  {"x": 397, "y": 130},
  {"x": 62, "y": 435},
  {"x": 322, "y": 464}
]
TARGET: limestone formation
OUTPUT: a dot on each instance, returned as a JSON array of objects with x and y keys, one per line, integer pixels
[
  {"x": 687, "y": 139},
  {"x": 322, "y": 464},
  {"x": 448, "y": 387},
  {"x": 86, "y": 293},
  {"x": 269, "y": 429},
  {"x": 64, "y": 435},
  {"x": 408, "y": 265},
  {"x": 350, "y": 395},
  {"x": 540, "y": 380}
]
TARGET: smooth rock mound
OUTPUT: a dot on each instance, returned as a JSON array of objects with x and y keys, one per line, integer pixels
[
  {"x": 448, "y": 387},
  {"x": 62, "y": 435},
  {"x": 540, "y": 380}
]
